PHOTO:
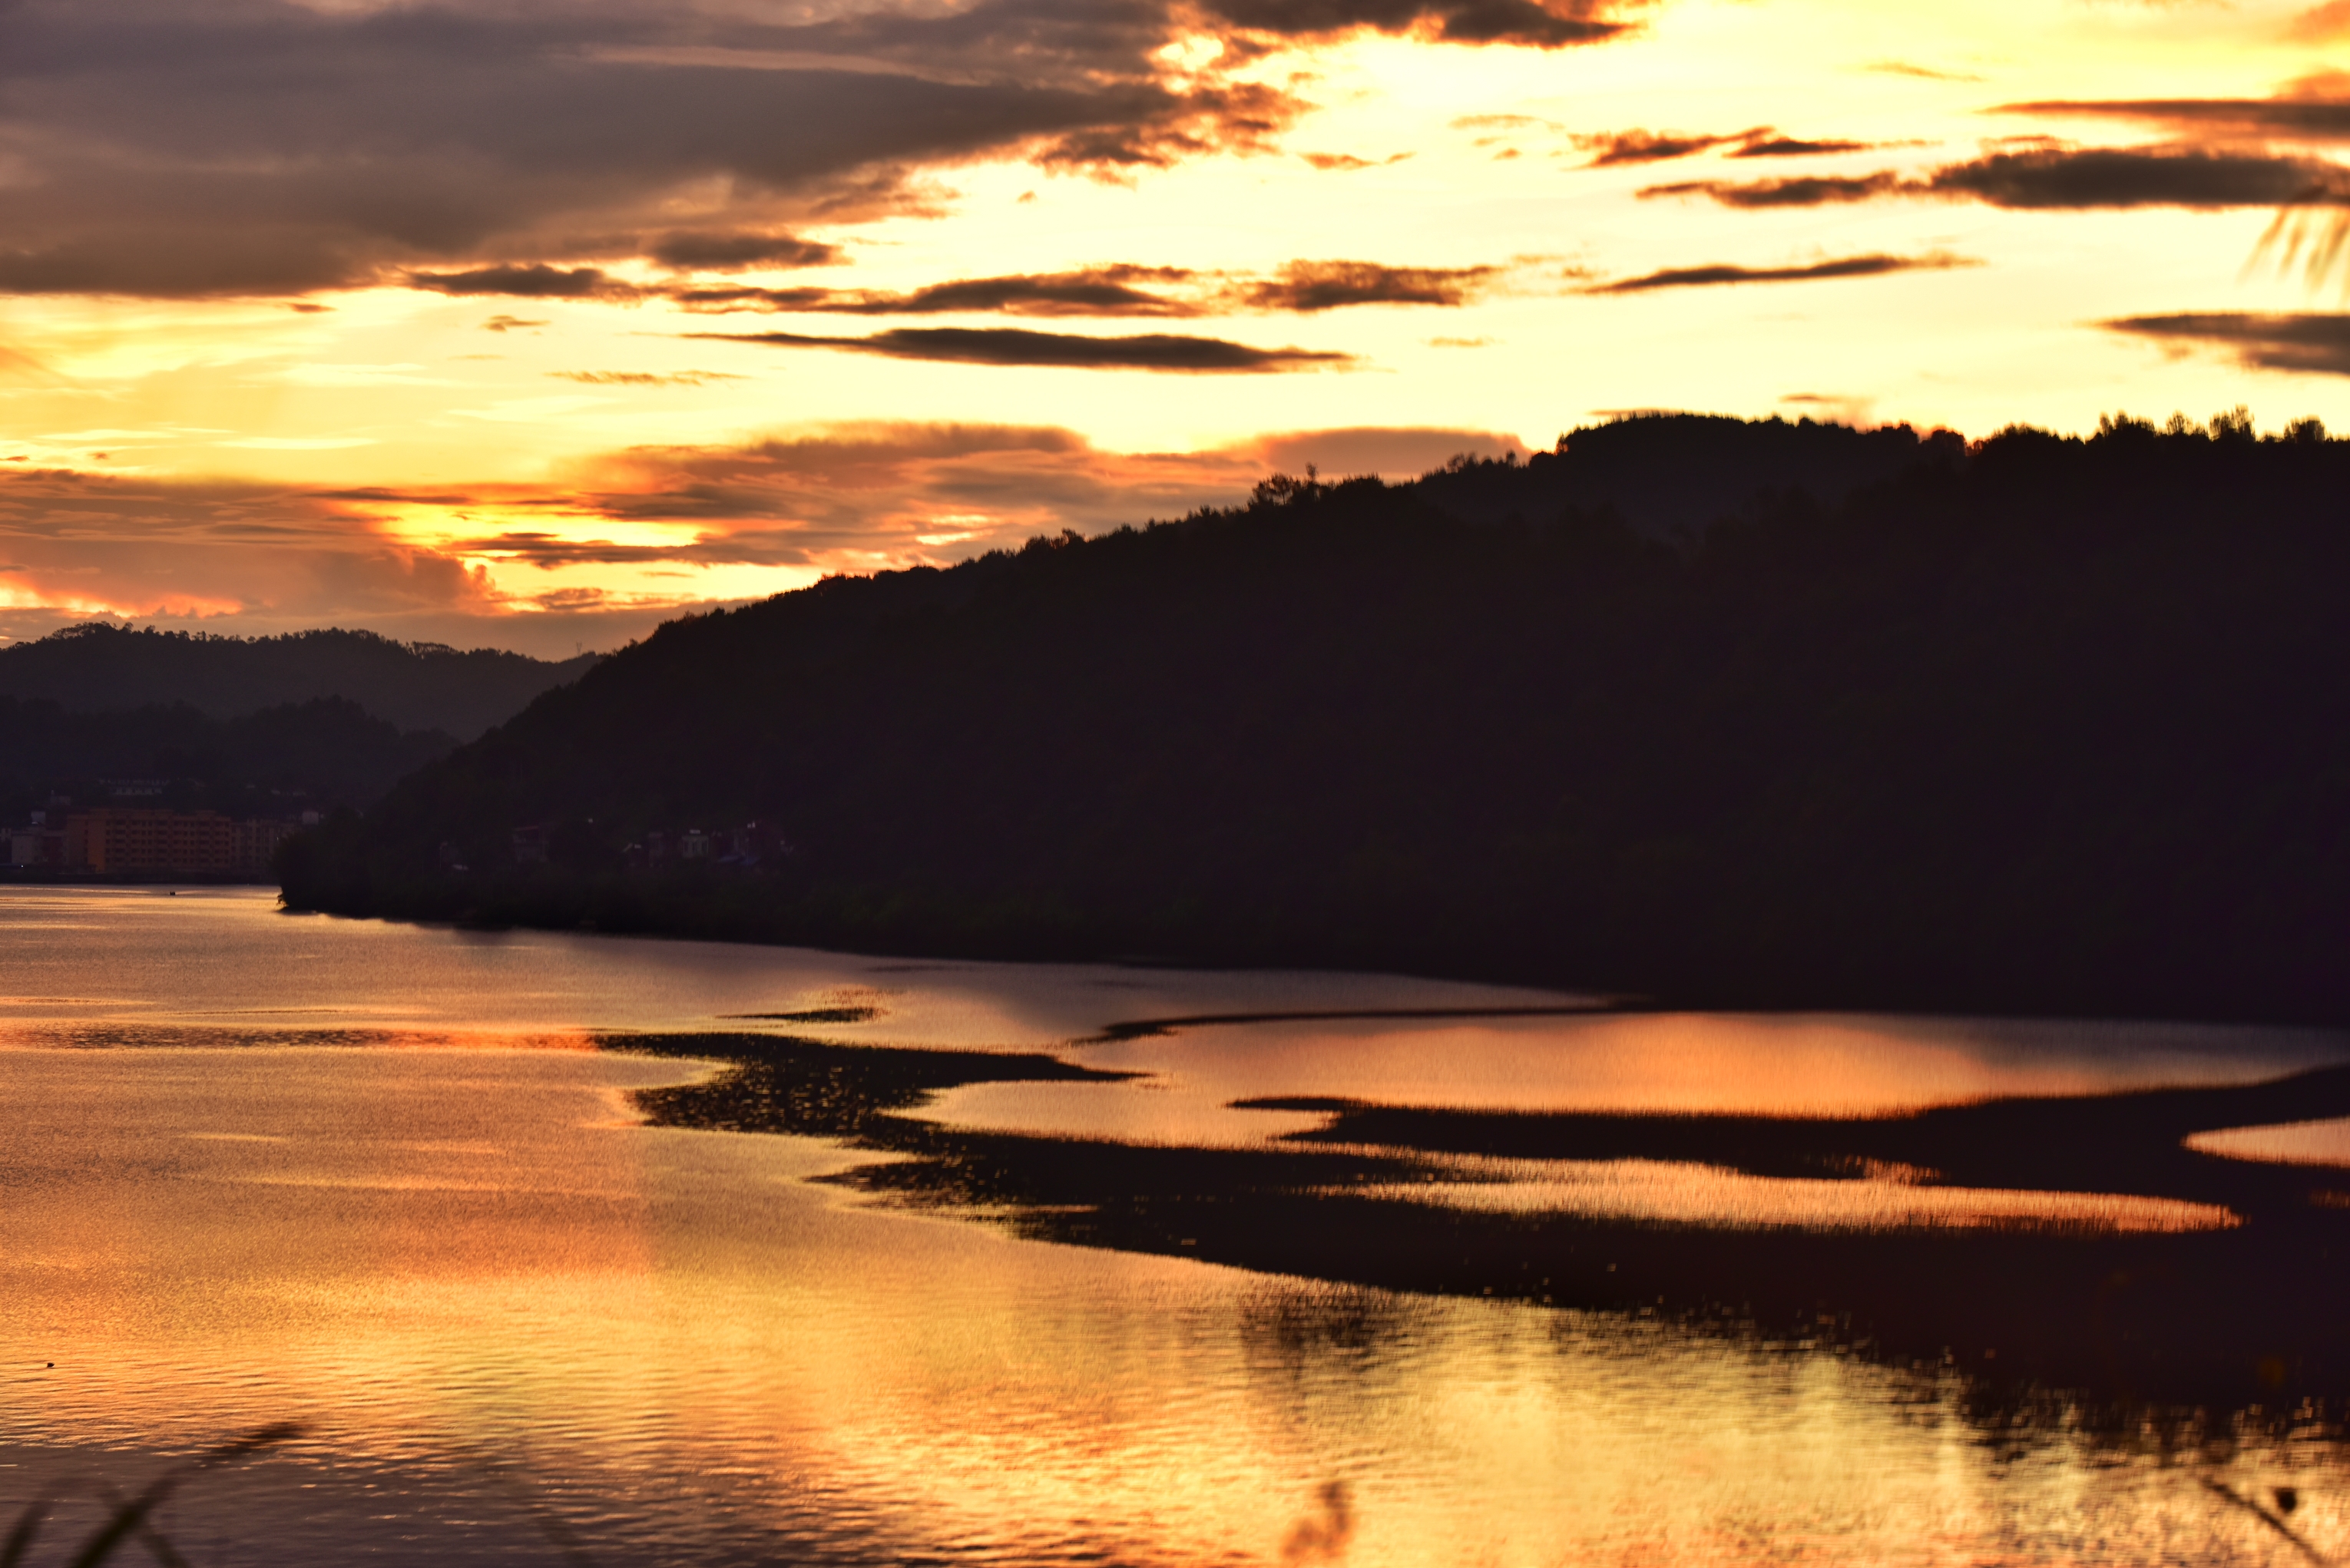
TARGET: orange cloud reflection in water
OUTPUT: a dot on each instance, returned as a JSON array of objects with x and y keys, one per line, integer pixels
[
  {"x": 1681, "y": 1064},
  {"x": 1681, "y": 1193},
  {"x": 445, "y": 1262},
  {"x": 1755, "y": 1065},
  {"x": 2288, "y": 1143}
]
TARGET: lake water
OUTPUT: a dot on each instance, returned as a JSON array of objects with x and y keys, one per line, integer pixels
[{"x": 386, "y": 1182}]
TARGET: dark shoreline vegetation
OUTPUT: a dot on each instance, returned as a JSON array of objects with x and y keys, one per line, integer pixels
[
  {"x": 1720, "y": 714},
  {"x": 2044, "y": 1324}
]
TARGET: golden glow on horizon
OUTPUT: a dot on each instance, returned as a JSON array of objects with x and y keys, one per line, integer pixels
[{"x": 1411, "y": 154}]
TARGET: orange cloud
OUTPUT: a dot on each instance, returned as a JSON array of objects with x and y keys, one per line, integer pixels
[
  {"x": 559, "y": 136},
  {"x": 609, "y": 545},
  {"x": 91, "y": 544}
]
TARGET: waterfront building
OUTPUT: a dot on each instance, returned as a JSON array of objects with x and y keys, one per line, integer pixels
[{"x": 114, "y": 839}]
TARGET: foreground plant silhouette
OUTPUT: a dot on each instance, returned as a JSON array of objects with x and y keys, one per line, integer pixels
[{"x": 132, "y": 1518}]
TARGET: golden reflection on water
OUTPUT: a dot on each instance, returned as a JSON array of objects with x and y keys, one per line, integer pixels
[
  {"x": 208, "y": 957},
  {"x": 1684, "y": 1193},
  {"x": 2287, "y": 1143},
  {"x": 1799, "y": 1065},
  {"x": 1676, "y": 1064},
  {"x": 495, "y": 1301},
  {"x": 447, "y": 1260}
]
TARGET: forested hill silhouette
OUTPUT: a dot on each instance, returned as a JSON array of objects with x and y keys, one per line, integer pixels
[
  {"x": 2042, "y": 724},
  {"x": 98, "y": 666},
  {"x": 1672, "y": 476},
  {"x": 277, "y": 761}
]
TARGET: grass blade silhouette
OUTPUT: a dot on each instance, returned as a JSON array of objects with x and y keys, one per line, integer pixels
[
  {"x": 2231, "y": 1495},
  {"x": 20, "y": 1539},
  {"x": 132, "y": 1518}
]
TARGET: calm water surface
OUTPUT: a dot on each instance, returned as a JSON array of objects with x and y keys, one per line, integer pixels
[{"x": 378, "y": 1179}]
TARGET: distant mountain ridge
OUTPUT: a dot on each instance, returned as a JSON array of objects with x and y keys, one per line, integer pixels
[
  {"x": 275, "y": 762},
  {"x": 2039, "y": 724},
  {"x": 98, "y": 666}
]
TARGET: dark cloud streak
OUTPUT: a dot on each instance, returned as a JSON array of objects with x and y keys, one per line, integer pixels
[
  {"x": 2315, "y": 343},
  {"x": 2136, "y": 177},
  {"x": 1304, "y": 287},
  {"x": 1015, "y": 346},
  {"x": 1308, "y": 287},
  {"x": 1791, "y": 147},
  {"x": 1102, "y": 292},
  {"x": 1805, "y": 191},
  {"x": 536, "y": 281},
  {"x": 2064, "y": 179},
  {"x": 722, "y": 252},
  {"x": 1620, "y": 147},
  {"x": 1617, "y": 147},
  {"x": 2298, "y": 118},
  {"x": 1447, "y": 21},
  {"x": 267, "y": 147},
  {"x": 1722, "y": 273}
]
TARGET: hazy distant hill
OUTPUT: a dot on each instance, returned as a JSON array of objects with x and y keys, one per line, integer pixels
[
  {"x": 413, "y": 686},
  {"x": 2042, "y": 724},
  {"x": 275, "y": 762}
]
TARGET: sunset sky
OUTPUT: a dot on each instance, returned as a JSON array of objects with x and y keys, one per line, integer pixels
[{"x": 526, "y": 323}]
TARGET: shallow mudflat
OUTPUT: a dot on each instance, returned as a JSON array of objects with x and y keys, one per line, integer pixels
[{"x": 455, "y": 1205}]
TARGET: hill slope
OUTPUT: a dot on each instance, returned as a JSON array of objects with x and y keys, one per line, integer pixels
[
  {"x": 412, "y": 686},
  {"x": 275, "y": 762},
  {"x": 2047, "y": 725}
]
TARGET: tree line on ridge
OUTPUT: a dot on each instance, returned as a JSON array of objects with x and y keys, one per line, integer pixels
[{"x": 2041, "y": 724}]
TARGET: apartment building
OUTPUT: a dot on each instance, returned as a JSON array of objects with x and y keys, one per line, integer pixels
[{"x": 138, "y": 840}]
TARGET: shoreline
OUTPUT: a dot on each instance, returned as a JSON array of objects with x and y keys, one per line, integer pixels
[
  {"x": 2116, "y": 1321},
  {"x": 745, "y": 918},
  {"x": 38, "y": 876}
]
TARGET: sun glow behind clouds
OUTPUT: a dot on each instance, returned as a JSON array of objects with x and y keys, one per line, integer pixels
[
  {"x": 16, "y": 596},
  {"x": 549, "y": 432},
  {"x": 534, "y": 558}
]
